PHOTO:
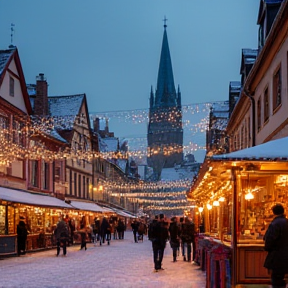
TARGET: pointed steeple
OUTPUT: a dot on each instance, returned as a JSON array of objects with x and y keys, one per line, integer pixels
[{"x": 165, "y": 92}]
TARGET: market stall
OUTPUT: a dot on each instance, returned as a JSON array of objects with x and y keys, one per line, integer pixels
[
  {"x": 40, "y": 211},
  {"x": 234, "y": 194}
]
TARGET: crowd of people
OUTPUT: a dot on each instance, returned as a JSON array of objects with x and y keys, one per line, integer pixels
[{"x": 180, "y": 235}]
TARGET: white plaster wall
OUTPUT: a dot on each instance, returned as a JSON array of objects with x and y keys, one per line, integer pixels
[
  {"x": 281, "y": 115},
  {"x": 16, "y": 100}
]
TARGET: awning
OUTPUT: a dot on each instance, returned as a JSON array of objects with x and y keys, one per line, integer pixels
[
  {"x": 274, "y": 149},
  {"x": 29, "y": 198},
  {"x": 87, "y": 206},
  {"x": 123, "y": 213}
]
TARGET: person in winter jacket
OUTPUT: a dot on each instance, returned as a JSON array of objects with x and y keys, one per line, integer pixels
[
  {"x": 105, "y": 230},
  {"x": 62, "y": 235},
  {"x": 135, "y": 226},
  {"x": 187, "y": 237},
  {"x": 158, "y": 235},
  {"x": 22, "y": 233},
  {"x": 276, "y": 243},
  {"x": 174, "y": 233}
]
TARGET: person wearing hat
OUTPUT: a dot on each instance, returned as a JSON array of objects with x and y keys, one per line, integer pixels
[
  {"x": 276, "y": 243},
  {"x": 22, "y": 233}
]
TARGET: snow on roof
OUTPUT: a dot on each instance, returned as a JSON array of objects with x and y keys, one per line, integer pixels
[
  {"x": 274, "y": 149},
  {"x": 109, "y": 144},
  {"x": 220, "y": 106},
  {"x": 60, "y": 106},
  {"x": 220, "y": 124},
  {"x": 37, "y": 199},
  {"x": 121, "y": 163},
  {"x": 250, "y": 55},
  {"x": 4, "y": 57},
  {"x": 87, "y": 206}
]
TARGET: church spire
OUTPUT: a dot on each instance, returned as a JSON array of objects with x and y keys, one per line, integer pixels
[{"x": 165, "y": 92}]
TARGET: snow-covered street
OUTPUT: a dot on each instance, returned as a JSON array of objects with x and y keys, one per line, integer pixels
[{"x": 122, "y": 264}]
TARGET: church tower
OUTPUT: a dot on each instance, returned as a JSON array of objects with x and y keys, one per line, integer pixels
[{"x": 165, "y": 131}]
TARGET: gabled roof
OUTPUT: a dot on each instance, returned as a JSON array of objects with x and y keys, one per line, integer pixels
[
  {"x": 65, "y": 105},
  {"x": 6, "y": 56}
]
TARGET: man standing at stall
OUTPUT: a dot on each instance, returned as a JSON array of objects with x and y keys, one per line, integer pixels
[
  {"x": 276, "y": 243},
  {"x": 22, "y": 233}
]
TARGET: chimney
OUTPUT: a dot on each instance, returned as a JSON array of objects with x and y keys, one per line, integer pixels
[
  {"x": 96, "y": 125},
  {"x": 41, "y": 99}
]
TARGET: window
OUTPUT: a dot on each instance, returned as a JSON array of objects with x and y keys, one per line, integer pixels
[
  {"x": 11, "y": 86},
  {"x": 266, "y": 105},
  {"x": 75, "y": 184},
  {"x": 84, "y": 190},
  {"x": 70, "y": 186},
  {"x": 259, "y": 114},
  {"x": 277, "y": 89},
  {"x": 34, "y": 173},
  {"x": 46, "y": 175},
  {"x": 242, "y": 137},
  {"x": 79, "y": 186}
]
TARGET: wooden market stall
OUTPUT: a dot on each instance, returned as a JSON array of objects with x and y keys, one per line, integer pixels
[{"x": 234, "y": 194}]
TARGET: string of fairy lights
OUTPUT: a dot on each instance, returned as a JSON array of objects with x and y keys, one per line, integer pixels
[{"x": 26, "y": 138}]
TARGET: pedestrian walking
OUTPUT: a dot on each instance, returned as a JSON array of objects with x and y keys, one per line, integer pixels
[
  {"x": 174, "y": 236},
  {"x": 61, "y": 233},
  {"x": 22, "y": 233},
  {"x": 120, "y": 229},
  {"x": 83, "y": 233},
  {"x": 105, "y": 231},
  {"x": 276, "y": 243},
  {"x": 187, "y": 237},
  {"x": 158, "y": 236},
  {"x": 134, "y": 226}
]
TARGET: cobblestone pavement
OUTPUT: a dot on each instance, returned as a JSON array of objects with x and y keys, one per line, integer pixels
[{"x": 123, "y": 264}]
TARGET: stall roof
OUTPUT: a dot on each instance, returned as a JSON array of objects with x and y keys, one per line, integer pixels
[
  {"x": 123, "y": 213},
  {"x": 29, "y": 198},
  {"x": 87, "y": 206},
  {"x": 274, "y": 149}
]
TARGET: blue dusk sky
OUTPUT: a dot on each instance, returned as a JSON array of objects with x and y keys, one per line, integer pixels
[{"x": 110, "y": 49}]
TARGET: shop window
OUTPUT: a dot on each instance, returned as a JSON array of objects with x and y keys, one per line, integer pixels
[
  {"x": 277, "y": 100},
  {"x": 11, "y": 86},
  {"x": 266, "y": 105}
]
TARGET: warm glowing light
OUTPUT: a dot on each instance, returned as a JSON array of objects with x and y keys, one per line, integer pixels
[
  {"x": 209, "y": 206},
  {"x": 249, "y": 196},
  {"x": 221, "y": 199},
  {"x": 200, "y": 209},
  {"x": 216, "y": 203}
]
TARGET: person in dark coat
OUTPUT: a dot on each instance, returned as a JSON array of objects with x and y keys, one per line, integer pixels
[
  {"x": 135, "y": 226},
  {"x": 159, "y": 236},
  {"x": 22, "y": 233},
  {"x": 62, "y": 235},
  {"x": 83, "y": 233},
  {"x": 120, "y": 229},
  {"x": 104, "y": 230},
  {"x": 187, "y": 237},
  {"x": 174, "y": 233},
  {"x": 276, "y": 243}
]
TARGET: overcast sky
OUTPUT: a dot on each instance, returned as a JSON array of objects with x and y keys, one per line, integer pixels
[{"x": 110, "y": 49}]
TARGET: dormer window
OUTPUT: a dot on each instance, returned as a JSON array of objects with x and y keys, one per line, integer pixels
[{"x": 11, "y": 86}]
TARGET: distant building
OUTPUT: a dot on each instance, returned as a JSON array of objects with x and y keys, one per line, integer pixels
[{"x": 165, "y": 131}]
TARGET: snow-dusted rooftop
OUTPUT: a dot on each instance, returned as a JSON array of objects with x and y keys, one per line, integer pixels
[
  {"x": 275, "y": 149},
  {"x": 4, "y": 57},
  {"x": 38, "y": 199}
]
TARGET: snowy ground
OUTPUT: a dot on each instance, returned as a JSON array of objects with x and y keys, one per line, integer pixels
[{"x": 123, "y": 264}]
